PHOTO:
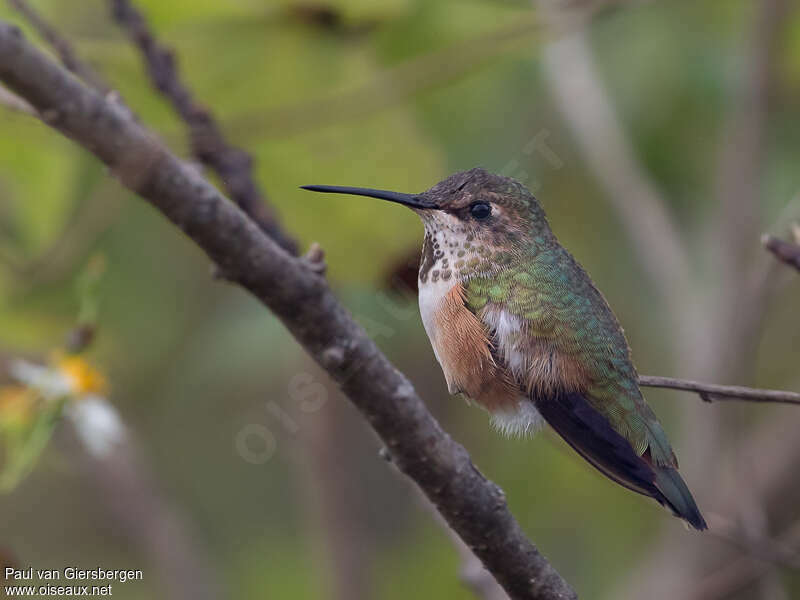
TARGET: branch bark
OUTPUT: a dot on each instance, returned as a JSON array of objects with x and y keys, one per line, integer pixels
[
  {"x": 15, "y": 103},
  {"x": 473, "y": 506},
  {"x": 710, "y": 392},
  {"x": 60, "y": 44},
  {"x": 233, "y": 165},
  {"x": 786, "y": 252}
]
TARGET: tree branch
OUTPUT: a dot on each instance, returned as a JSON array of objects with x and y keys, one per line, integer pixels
[
  {"x": 15, "y": 103},
  {"x": 711, "y": 392},
  {"x": 60, "y": 44},
  {"x": 233, "y": 165},
  {"x": 473, "y": 506},
  {"x": 786, "y": 252}
]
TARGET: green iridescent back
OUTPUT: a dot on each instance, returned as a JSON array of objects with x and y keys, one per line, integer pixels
[{"x": 546, "y": 287}]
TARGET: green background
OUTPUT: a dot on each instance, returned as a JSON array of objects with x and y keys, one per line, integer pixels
[{"x": 396, "y": 95}]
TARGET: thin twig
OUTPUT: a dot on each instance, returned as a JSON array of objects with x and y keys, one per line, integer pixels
[
  {"x": 233, "y": 165},
  {"x": 60, "y": 44},
  {"x": 711, "y": 392},
  {"x": 786, "y": 252},
  {"x": 473, "y": 506}
]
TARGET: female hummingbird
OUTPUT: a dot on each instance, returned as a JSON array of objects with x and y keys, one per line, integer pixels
[{"x": 518, "y": 327}]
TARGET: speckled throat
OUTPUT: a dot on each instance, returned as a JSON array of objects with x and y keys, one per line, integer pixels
[{"x": 452, "y": 253}]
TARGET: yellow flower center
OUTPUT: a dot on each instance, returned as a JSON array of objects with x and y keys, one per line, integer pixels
[{"x": 84, "y": 377}]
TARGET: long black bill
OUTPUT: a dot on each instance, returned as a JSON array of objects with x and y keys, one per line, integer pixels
[{"x": 410, "y": 200}]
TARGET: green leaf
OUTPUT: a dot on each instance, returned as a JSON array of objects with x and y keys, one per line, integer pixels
[{"x": 23, "y": 443}]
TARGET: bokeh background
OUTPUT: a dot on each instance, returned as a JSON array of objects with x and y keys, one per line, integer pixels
[{"x": 662, "y": 138}]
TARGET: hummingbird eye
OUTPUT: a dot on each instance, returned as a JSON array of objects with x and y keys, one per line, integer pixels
[{"x": 480, "y": 210}]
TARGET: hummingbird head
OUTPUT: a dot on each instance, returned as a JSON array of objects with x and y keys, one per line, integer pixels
[{"x": 473, "y": 209}]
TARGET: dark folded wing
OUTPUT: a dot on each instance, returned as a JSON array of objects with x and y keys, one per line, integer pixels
[{"x": 591, "y": 435}]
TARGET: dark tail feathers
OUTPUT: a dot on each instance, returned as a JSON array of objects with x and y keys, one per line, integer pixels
[
  {"x": 675, "y": 496},
  {"x": 591, "y": 435}
]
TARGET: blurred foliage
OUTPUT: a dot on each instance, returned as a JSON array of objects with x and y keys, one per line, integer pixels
[
  {"x": 27, "y": 420},
  {"x": 32, "y": 406},
  {"x": 362, "y": 93}
]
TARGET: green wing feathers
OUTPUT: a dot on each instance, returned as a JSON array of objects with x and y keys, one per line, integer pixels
[
  {"x": 677, "y": 497},
  {"x": 557, "y": 302}
]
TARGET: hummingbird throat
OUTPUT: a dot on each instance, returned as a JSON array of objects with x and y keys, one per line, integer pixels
[{"x": 452, "y": 252}]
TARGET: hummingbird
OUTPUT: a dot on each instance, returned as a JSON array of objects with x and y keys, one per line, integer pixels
[{"x": 519, "y": 328}]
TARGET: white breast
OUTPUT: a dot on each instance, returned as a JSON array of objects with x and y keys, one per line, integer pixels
[
  {"x": 511, "y": 342},
  {"x": 510, "y": 337},
  {"x": 430, "y": 299}
]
